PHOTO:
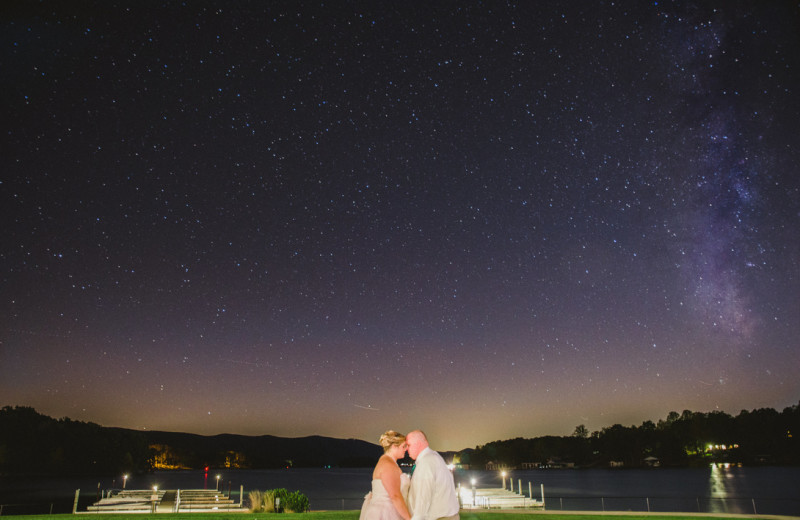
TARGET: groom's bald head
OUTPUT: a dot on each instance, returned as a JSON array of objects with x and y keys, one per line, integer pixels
[{"x": 417, "y": 441}]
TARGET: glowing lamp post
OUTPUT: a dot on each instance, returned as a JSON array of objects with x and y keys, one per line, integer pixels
[
  {"x": 124, "y": 480},
  {"x": 154, "y": 498},
  {"x": 504, "y": 479},
  {"x": 218, "y": 476}
]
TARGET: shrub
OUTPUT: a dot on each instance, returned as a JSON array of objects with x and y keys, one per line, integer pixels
[
  {"x": 267, "y": 501},
  {"x": 296, "y": 502},
  {"x": 278, "y": 498}
]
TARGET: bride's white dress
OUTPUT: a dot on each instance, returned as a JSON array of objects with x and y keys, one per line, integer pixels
[{"x": 378, "y": 506}]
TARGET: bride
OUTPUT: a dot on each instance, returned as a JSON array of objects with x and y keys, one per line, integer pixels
[{"x": 387, "y": 501}]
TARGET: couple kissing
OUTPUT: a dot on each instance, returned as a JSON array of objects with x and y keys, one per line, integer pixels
[{"x": 429, "y": 494}]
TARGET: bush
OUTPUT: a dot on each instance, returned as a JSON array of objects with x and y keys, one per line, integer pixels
[
  {"x": 278, "y": 500},
  {"x": 266, "y": 501},
  {"x": 296, "y": 502}
]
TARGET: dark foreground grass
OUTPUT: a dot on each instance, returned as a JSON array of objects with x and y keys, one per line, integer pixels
[{"x": 353, "y": 515}]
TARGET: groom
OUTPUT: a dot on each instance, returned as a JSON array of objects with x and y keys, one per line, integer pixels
[{"x": 432, "y": 495}]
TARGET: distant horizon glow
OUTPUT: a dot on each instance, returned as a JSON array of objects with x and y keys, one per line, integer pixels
[{"x": 485, "y": 222}]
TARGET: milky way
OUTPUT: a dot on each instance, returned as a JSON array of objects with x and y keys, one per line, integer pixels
[{"x": 486, "y": 220}]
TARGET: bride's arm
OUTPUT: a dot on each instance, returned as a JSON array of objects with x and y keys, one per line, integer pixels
[{"x": 390, "y": 478}]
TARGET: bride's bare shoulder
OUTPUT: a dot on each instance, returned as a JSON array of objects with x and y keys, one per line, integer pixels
[{"x": 385, "y": 465}]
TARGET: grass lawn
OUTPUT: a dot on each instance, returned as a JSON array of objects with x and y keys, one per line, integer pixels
[{"x": 353, "y": 515}]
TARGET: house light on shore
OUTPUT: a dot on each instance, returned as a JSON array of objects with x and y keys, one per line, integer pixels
[{"x": 721, "y": 447}]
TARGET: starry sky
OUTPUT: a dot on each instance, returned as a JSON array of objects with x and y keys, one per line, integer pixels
[{"x": 483, "y": 219}]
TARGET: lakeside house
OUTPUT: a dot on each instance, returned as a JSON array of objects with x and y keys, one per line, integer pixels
[
  {"x": 556, "y": 463},
  {"x": 498, "y": 466}
]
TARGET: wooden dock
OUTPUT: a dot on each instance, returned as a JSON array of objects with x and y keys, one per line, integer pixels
[
  {"x": 165, "y": 501},
  {"x": 495, "y": 498}
]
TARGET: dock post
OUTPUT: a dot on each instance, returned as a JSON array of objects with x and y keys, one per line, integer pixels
[
  {"x": 530, "y": 490},
  {"x": 519, "y": 487},
  {"x": 75, "y": 504},
  {"x": 542, "y": 495},
  {"x": 241, "y": 494},
  {"x": 474, "y": 492}
]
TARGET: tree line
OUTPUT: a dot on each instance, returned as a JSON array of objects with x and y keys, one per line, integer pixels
[
  {"x": 762, "y": 436},
  {"x": 34, "y": 443}
]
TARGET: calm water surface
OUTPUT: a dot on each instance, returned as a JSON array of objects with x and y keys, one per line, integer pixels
[{"x": 765, "y": 490}]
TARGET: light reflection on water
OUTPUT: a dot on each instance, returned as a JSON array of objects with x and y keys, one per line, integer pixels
[
  {"x": 718, "y": 487},
  {"x": 717, "y": 481},
  {"x": 728, "y": 490}
]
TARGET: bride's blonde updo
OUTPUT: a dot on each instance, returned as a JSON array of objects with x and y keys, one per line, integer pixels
[{"x": 391, "y": 438}]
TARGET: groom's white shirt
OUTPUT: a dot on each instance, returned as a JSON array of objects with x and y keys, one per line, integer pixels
[{"x": 432, "y": 494}]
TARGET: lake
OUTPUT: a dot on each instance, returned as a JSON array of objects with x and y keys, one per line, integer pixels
[{"x": 763, "y": 490}]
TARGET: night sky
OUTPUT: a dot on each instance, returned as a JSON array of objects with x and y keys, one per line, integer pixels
[{"x": 483, "y": 219}]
